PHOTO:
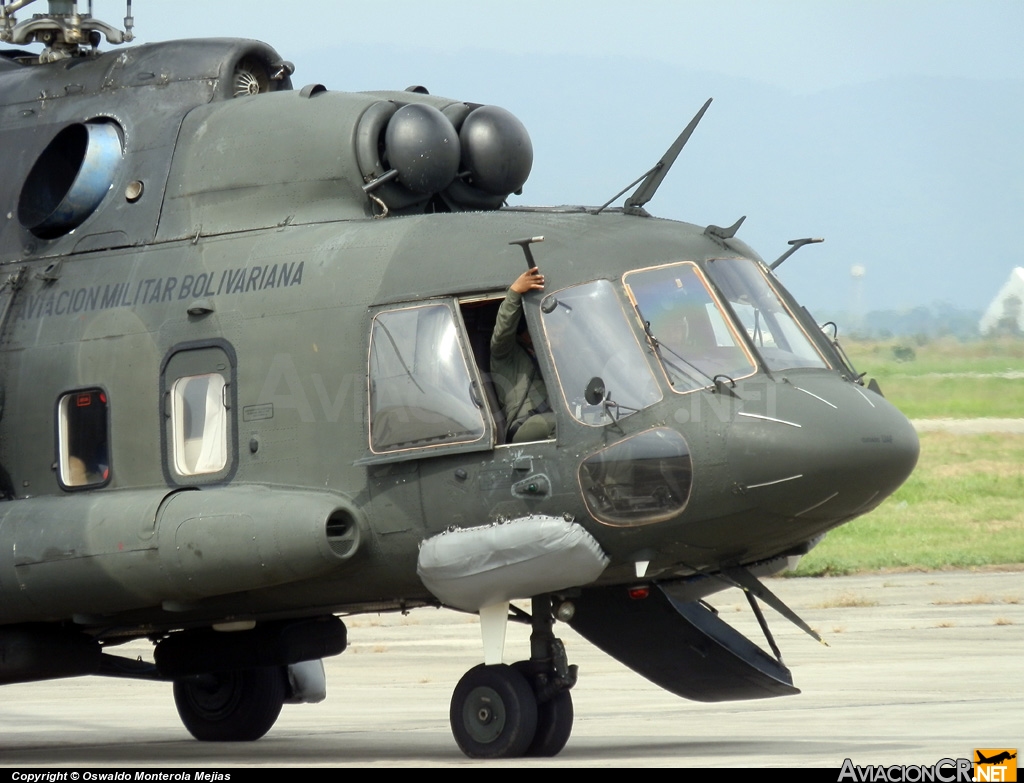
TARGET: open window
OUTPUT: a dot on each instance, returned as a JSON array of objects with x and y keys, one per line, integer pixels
[
  {"x": 199, "y": 433},
  {"x": 83, "y": 439},
  {"x": 479, "y": 314}
]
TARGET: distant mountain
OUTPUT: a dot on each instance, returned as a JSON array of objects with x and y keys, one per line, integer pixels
[{"x": 922, "y": 322}]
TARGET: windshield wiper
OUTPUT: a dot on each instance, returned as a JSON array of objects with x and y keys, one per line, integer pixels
[{"x": 657, "y": 345}]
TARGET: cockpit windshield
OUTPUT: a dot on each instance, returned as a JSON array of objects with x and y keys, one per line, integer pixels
[
  {"x": 688, "y": 329},
  {"x": 591, "y": 340},
  {"x": 772, "y": 329}
]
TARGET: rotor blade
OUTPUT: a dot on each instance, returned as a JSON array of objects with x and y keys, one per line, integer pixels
[{"x": 653, "y": 180}]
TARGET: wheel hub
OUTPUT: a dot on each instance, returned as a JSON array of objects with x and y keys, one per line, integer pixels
[{"x": 484, "y": 715}]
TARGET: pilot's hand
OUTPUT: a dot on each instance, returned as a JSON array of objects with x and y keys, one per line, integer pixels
[{"x": 531, "y": 280}]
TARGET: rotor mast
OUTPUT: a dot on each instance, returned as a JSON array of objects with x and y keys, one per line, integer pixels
[{"x": 63, "y": 30}]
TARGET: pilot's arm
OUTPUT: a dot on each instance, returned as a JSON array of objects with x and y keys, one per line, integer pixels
[
  {"x": 503, "y": 338},
  {"x": 520, "y": 388}
]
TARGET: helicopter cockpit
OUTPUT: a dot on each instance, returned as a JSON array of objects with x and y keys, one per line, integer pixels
[
  {"x": 707, "y": 325},
  {"x": 698, "y": 338}
]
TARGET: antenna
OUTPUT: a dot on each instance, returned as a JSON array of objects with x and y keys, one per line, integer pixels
[{"x": 653, "y": 177}]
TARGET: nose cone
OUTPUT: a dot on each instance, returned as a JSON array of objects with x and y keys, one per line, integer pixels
[{"x": 818, "y": 450}]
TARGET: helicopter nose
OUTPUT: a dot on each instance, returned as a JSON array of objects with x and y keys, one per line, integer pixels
[{"x": 820, "y": 450}]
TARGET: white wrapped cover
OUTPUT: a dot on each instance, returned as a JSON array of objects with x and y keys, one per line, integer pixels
[
  {"x": 470, "y": 568},
  {"x": 308, "y": 682}
]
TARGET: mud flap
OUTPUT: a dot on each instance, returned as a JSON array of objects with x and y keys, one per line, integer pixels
[{"x": 681, "y": 646}]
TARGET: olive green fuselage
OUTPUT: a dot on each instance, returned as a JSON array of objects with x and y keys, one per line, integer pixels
[
  {"x": 236, "y": 248},
  {"x": 294, "y": 306}
]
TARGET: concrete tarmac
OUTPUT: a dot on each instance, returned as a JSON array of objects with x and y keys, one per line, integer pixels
[{"x": 920, "y": 667}]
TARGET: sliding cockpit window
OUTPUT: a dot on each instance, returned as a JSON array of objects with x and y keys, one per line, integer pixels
[{"x": 421, "y": 391}]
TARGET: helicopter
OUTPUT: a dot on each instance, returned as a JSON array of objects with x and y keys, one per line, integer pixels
[{"x": 247, "y": 344}]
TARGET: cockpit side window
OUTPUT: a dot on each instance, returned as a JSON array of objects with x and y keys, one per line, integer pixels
[
  {"x": 421, "y": 391},
  {"x": 774, "y": 332},
  {"x": 593, "y": 345},
  {"x": 82, "y": 439}
]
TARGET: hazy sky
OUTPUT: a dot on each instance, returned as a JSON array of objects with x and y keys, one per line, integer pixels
[
  {"x": 890, "y": 128},
  {"x": 799, "y": 45}
]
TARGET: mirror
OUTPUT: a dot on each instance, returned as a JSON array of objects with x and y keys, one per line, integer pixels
[{"x": 595, "y": 393}]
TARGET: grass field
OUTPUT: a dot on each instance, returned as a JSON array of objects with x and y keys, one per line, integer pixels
[
  {"x": 946, "y": 378},
  {"x": 964, "y": 504},
  {"x": 962, "y": 507}
]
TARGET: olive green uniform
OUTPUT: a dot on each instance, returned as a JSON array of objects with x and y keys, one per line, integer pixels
[{"x": 517, "y": 379}]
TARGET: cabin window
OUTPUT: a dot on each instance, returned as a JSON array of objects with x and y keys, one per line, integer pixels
[
  {"x": 200, "y": 433},
  {"x": 200, "y": 422},
  {"x": 421, "y": 391},
  {"x": 84, "y": 453}
]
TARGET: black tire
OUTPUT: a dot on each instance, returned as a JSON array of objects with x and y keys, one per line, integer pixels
[
  {"x": 232, "y": 706},
  {"x": 554, "y": 719},
  {"x": 554, "y": 726},
  {"x": 493, "y": 713}
]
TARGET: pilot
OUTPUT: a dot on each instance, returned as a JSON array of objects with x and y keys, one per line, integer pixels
[{"x": 514, "y": 371}]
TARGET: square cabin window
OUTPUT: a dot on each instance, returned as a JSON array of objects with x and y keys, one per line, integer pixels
[
  {"x": 200, "y": 424},
  {"x": 84, "y": 454}
]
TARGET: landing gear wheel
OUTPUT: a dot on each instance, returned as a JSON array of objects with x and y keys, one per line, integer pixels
[
  {"x": 554, "y": 719},
  {"x": 232, "y": 706},
  {"x": 554, "y": 725},
  {"x": 493, "y": 713}
]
